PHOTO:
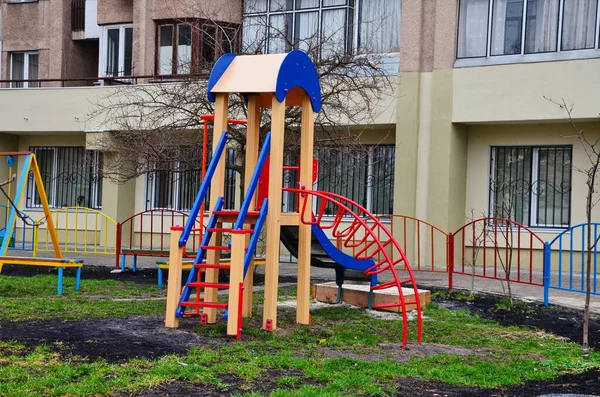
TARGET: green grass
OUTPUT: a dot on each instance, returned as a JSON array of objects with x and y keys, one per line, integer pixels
[{"x": 293, "y": 361}]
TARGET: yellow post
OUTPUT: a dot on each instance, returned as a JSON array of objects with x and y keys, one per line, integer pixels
[
  {"x": 216, "y": 190},
  {"x": 274, "y": 218},
  {"x": 174, "y": 285},
  {"x": 252, "y": 141},
  {"x": 44, "y": 200},
  {"x": 236, "y": 271},
  {"x": 304, "y": 231}
]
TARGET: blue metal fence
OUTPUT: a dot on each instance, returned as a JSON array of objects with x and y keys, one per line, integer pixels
[
  {"x": 22, "y": 235},
  {"x": 568, "y": 253}
]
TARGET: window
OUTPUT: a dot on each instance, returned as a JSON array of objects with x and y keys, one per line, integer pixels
[
  {"x": 531, "y": 185},
  {"x": 364, "y": 175},
  {"x": 116, "y": 51},
  {"x": 192, "y": 46},
  {"x": 24, "y": 66},
  {"x": 72, "y": 176},
  {"x": 174, "y": 185},
  {"x": 489, "y": 28},
  {"x": 275, "y": 26}
]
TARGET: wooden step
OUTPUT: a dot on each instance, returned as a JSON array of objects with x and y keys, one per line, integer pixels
[{"x": 230, "y": 216}]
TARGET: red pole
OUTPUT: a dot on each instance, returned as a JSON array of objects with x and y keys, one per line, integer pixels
[
  {"x": 450, "y": 244},
  {"x": 118, "y": 245}
]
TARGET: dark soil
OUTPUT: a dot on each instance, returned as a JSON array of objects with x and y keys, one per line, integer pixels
[{"x": 120, "y": 339}]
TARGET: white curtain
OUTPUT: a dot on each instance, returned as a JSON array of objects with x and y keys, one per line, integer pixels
[
  {"x": 507, "y": 25},
  {"x": 472, "y": 30},
  {"x": 277, "y": 33},
  {"x": 254, "y": 35},
  {"x": 333, "y": 36},
  {"x": 579, "y": 23},
  {"x": 541, "y": 31},
  {"x": 251, "y": 6},
  {"x": 307, "y": 31},
  {"x": 379, "y": 30}
]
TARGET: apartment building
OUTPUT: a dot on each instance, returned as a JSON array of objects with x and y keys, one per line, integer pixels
[{"x": 467, "y": 131}]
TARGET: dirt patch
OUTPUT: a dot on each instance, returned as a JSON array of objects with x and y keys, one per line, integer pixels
[
  {"x": 558, "y": 320},
  {"x": 113, "y": 339},
  {"x": 395, "y": 352}
]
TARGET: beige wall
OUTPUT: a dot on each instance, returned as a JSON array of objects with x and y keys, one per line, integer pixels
[
  {"x": 115, "y": 11},
  {"x": 508, "y": 93},
  {"x": 481, "y": 138}
]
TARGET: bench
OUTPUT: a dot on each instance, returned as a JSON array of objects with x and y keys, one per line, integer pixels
[
  {"x": 50, "y": 262},
  {"x": 142, "y": 252},
  {"x": 187, "y": 265}
]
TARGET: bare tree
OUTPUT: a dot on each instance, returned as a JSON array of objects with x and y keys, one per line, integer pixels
[
  {"x": 591, "y": 148},
  {"x": 155, "y": 127}
]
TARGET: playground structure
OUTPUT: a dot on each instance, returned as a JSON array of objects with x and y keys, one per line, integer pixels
[
  {"x": 273, "y": 81},
  {"x": 30, "y": 166}
]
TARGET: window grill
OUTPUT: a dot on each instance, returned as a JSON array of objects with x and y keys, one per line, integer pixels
[
  {"x": 531, "y": 185},
  {"x": 72, "y": 176}
]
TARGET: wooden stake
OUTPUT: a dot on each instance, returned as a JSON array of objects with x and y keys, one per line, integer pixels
[
  {"x": 304, "y": 231},
  {"x": 273, "y": 218},
  {"x": 252, "y": 142},
  {"x": 174, "y": 285},
  {"x": 216, "y": 190}
]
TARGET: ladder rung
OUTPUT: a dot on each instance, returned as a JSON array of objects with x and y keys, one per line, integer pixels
[
  {"x": 210, "y": 266},
  {"x": 227, "y": 230},
  {"x": 215, "y": 305},
  {"x": 215, "y": 247},
  {"x": 203, "y": 284}
]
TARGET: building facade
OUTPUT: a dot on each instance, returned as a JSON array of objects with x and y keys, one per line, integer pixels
[{"x": 468, "y": 130}]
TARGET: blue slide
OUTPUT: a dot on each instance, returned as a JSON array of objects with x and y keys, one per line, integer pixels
[{"x": 325, "y": 254}]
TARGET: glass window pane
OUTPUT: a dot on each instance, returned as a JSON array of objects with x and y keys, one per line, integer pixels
[
  {"x": 209, "y": 45},
  {"x": 112, "y": 52},
  {"x": 579, "y": 24},
  {"x": 128, "y": 53},
  {"x": 541, "y": 29},
  {"x": 379, "y": 28},
  {"x": 32, "y": 69},
  {"x": 281, "y": 5},
  {"x": 510, "y": 185},
  {"x": 473, "y": 28},
  {"x": 381, "y": 182},
  {"x": 279, "y": 26},
  {"x": 507, "y": 24},
  {"x": 227, "y": 40},
  {"x": 553, "y": 187},
  {"x": 306, "y": 32},
  {"x": 184, "y": 48},
  {"x": 252, "y": 6},
  {"x": 333, "y": 32},
  {"x": 300, "y": 4},
  {"x": 254, "y": 35},
  {"x": 17, "y": 71},
  {"x": 45, "y": 160},
  {"x": 165, "y": 49}
]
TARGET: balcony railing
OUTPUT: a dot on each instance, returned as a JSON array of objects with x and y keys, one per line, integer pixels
[
  {"x": 78, "y": 15},
  {"x": 100, "y": 81}
]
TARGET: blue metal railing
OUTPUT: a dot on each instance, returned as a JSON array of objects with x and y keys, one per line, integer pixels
[
  {"x": 253, "y": 183},
  {"x": 571, "y": 261},
  {"x": 210, "y": 172},
  {"x": 262, "y": 216}
]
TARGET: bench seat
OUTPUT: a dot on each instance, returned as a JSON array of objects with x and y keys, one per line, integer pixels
[{"x": 49, "y": 262}]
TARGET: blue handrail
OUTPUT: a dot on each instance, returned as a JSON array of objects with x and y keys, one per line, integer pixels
[
  {"x": 191, "y": 221},
  {"x": 239, "y": 224},
  {"x": 260, "y": 221}
]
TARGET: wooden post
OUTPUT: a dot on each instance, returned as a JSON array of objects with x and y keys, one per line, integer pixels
[
  {"x": 252, "y": 142},
  {"x": 304, "y": 231},
  {"x": 236, "y": 271},
  {"x": 174, "y": 286},
  {"x": 274, "y": 218},
  {"x": 216, "y": 190}
]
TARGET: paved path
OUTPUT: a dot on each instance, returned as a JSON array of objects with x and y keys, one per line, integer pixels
[{"x": 288, "y": 270}]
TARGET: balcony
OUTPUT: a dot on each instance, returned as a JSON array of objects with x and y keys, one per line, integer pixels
[{"x": 84, "y": 19}]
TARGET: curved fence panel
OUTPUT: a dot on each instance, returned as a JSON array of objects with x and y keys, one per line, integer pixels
[
  {"x": 566, "y": 260},
  {"x": 497, "y": 248},
  {"x": 79, "y": 229}
]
